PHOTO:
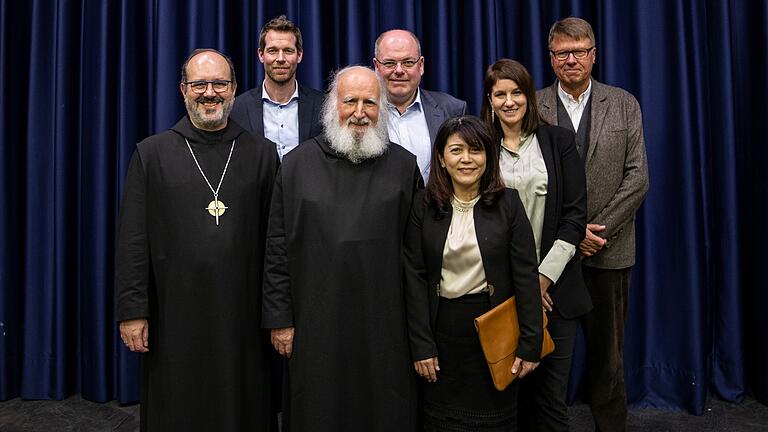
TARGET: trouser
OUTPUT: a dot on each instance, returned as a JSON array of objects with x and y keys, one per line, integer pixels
[
  {"x": 604, "y": 336},
  {"x": 541, "y": 401}
]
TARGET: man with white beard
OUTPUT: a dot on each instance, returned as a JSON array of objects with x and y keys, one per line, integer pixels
[{"x": 333, "y": 294}]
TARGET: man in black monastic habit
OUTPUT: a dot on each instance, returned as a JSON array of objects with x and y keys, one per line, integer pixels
[
  {"x": 333, "y": 293},
  {"x": 190, "y": 262}
]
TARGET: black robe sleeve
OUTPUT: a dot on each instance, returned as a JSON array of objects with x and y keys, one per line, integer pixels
[
  {"x": 132, "y": 267},
  {"x": 277, "y": 310}
]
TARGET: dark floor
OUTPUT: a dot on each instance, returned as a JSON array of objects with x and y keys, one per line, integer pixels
[{"x": 76, "y": 414}]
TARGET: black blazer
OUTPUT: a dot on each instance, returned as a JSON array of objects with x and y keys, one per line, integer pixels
[
  {"x": 248, "y": 112},
  {"x": 565, "y": 215},
  {"x": 509, "y": 258}
]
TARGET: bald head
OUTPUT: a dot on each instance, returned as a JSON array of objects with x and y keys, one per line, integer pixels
[
  {"x": 208, "y": 88},
  {"x": 400, "y": 64},
  {"x": 358, "y": 98},
  {"x": 354, "y": 114}
]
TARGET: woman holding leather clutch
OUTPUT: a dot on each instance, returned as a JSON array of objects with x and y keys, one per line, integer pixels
[
  {"x": 468, "y": 248},
  {"x": 543, "y": 164}
]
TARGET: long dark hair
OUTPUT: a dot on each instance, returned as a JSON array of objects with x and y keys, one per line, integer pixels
[
  {"x": 477, "y": 135},
  {"x": 511, "y": 70}
]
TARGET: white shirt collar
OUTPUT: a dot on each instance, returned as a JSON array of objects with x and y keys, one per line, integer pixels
[
  {"x": 564, "y": 96},
  {"x": 265, "y": 95},
  {"x": 416, "y": 104}
]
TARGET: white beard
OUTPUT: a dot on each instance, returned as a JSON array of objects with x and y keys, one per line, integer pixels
[{"x": 373, "y": 142}]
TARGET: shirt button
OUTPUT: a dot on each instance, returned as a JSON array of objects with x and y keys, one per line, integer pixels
[{"x": 281, "y": 125}]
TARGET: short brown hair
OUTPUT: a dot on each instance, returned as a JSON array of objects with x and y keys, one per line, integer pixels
[
  {"x": 573, "y": 28},
  {"x": 511, "y": 70},
  {"x": 280, "y": 24}
]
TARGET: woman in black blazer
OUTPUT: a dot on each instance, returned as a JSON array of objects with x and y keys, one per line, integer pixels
[
  {"x": 542, "y": 163},
  {"x": 468, "y": 248}
]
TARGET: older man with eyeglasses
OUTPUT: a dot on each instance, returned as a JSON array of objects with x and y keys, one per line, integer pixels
[
  {"x": 190, "y": 244},
  {"x": 609, "y": 138},
  {"x": 415, "y": 114}
]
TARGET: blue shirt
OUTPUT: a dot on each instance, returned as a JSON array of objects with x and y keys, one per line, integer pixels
[
  {"x": 410, "y": 131},
  {"x": 281, "y": 121}
]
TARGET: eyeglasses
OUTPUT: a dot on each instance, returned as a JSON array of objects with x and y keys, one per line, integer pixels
[
  {"x": 392, "y": 64},
  {"x": 577, "y": 53},
  {"x": 200, "y": 86}
]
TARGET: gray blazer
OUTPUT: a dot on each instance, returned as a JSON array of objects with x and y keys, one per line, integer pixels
[
  {"x": 616, "y": 168},
  {"x": 439, "y": 107}
]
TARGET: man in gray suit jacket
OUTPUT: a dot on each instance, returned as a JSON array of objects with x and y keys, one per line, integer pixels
[
  {"x": 280, "y": 109},
  {"x": 415, "y": 114},
  {"x": 609, "y": 137}
]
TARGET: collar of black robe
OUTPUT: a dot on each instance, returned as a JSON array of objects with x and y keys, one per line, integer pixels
[
  {"x": 186, "y": 129},
  {"x": 325, "y": 145}
]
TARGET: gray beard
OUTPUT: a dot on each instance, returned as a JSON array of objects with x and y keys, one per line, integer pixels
[
  {"x": 206, "y": 122},
  {"x": 373, "y": 142}
]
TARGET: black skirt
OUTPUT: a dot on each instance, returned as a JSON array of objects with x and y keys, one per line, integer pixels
[{"x": 464, "y": 398}]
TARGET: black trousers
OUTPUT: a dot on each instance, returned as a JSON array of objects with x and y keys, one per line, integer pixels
[
  {"x": 604, "y": 335},
  {"x": 541, "y": 401}
]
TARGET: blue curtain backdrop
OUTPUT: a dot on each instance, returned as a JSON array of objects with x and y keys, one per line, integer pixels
[{"x": 83, "y": 81}]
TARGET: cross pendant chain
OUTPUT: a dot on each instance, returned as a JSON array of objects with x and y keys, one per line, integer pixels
[{"x": 215, "y": 208}]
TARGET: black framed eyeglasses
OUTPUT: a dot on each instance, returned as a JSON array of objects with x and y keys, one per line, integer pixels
[
  {"x": 392, "y": 64},
  {"x": 577, "y": 53},
  {"x": 200, "y": 86}
]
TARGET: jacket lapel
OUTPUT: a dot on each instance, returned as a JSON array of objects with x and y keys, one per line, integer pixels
[
  {"x": 432, "y": 114},
  {"x": 256, "y": 115},
  {"x": 305, "y": 114},
  {"x": 549, "y": 104},
  {"x": 599, "y": 111}
]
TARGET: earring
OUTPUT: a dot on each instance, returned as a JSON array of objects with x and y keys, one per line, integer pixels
[{"x": 493, "y": 116}]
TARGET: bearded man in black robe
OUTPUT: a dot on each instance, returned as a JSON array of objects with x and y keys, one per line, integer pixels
[
  {"x": 190, "y": 262},
  {"x": 333, "y": 293}
]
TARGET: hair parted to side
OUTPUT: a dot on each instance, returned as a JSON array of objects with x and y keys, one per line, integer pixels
[
  {"x": 202, "y": 50},
  {"x": 280, "y": 24},
  {"x": 511, "y": 70},
  {"x": 381, "y": 36},
  {"x": 573, "y": 28},
  {"x": 478, "y": 136}
]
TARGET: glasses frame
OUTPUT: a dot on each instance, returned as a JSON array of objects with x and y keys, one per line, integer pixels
[
  {"x": 568, "y": 53},
  {"x": 388, "y": 65},
  {"x": 212, "y": 83}
]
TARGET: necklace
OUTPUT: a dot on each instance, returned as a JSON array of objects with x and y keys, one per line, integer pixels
[
  {"x": 216, "y": 208},
  {"x": 464, "y": 206}
]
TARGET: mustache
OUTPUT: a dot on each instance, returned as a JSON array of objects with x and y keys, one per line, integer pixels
[
  {"x": 213, "y": 99},
  {"x": 360, "y": 122}
]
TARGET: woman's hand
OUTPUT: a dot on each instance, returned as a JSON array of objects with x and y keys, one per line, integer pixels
[
  {"x": 546, "y": 300},
  {"x": 523, "y": 366},
  {"x": 427, "y": 368}
]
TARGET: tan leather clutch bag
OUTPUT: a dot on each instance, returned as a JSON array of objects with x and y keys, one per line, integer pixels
[{"x": 499, "y": 331}]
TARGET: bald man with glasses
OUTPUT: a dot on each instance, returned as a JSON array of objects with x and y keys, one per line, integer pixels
[{"x": 415, "y": 114}]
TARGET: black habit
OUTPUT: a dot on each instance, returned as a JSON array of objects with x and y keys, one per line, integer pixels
[
  {"x": 198, "y": 284},
  {"x": 333, "y": 271}
]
